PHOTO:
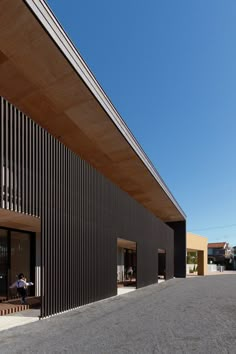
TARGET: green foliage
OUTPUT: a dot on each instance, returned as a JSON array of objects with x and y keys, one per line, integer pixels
[{"x": 192, "y": 258}]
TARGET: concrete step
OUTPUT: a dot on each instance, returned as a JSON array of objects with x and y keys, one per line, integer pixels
[
  {"x": 6, "y": 309},
  {"x": 14, "y": 305}
]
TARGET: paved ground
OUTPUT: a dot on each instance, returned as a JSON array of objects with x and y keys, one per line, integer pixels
[
  {"x": 18, "y": 319},
  {"x": 125, "y": 290},
  {"x": 194, "y": 315}
]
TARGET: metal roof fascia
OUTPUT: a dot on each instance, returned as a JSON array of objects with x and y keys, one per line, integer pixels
[{"x": 52, "y": 26}]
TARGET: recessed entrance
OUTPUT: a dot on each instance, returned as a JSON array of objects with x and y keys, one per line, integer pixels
[
  {"x": 161, "y": 265},
  {"x": 126, "y": 265},
  {"x": 17, "y": 255},
  {"x": 20, "y": 252}
]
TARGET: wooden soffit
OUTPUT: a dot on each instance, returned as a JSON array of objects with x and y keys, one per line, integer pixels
[
  {"x": 43, "y": 75},
  {"x": 122, "y": 243},
  {"x": 13, "y": 220}
]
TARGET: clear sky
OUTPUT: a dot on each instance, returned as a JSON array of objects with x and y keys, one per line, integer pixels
[{"x": 169, "y": 67}]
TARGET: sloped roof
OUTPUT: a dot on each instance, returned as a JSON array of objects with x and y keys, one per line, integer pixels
[{"x": 217, "y": 245}]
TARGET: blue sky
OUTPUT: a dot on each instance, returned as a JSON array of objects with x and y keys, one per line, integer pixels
[{"x": 169, "y": 67}]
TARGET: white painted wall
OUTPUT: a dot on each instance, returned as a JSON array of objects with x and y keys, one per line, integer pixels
[
  {"x": 38, "y": 265},
  {"x": 120, "y": 264},
  {"x": 212, "y": 267}
]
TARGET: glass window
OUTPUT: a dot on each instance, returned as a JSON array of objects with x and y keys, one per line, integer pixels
[{"x": 20, "y": 254}]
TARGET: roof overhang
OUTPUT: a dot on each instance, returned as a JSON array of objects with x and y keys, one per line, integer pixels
[{"x": 43, "y": 75}]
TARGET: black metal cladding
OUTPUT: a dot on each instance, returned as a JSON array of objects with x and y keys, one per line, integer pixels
[
  {"x": 179, "y": 228},
  {"x": 82, "y": 215}
]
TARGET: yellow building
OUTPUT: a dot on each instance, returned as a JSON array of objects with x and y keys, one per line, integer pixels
[{"x": 196, "y": 243}]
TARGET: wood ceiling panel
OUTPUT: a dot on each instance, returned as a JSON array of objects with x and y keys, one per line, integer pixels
[
  {"x": 65, "y": 99},
  {"x": 14, "y": 220},
  {"x": 11, "y": 78},
  {"x": 122, "y": 243},
  {"x": 26, "y": 61}
]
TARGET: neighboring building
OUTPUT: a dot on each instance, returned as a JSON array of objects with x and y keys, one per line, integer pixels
[
  {"x": 234, "y": 262},
  {"x": 198, "y": 245},
  {"x": 75, "y": 186},
  {"x": 221, "y": 253}
]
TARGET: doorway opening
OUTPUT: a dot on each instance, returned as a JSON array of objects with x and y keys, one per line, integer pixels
[
  {"x": 192, "y": 262},
  {"x": 17, "y": 255},
  {"x": 126, "y": 266},
  {"x": 20, "y": 252},
  {"x": 161, "y": 265}
]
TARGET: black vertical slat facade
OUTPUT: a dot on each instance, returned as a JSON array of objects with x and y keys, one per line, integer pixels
[{"x": 82, "y": 214}]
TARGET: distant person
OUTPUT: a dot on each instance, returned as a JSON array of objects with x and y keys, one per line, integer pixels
[
  {"x": 130, "y": 273},
  {"x": 21, "y": 286}
]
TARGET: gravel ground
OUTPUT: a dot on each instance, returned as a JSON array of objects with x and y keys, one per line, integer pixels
[{"x": 194, "y": 315}]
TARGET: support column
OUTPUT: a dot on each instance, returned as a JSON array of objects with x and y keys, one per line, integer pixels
[
  {"x": 179, "y": 228},
  {"x": 202, "y": 263}
]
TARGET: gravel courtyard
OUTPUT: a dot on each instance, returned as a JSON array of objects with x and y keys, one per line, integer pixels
[{"x": 193, "y": 315}]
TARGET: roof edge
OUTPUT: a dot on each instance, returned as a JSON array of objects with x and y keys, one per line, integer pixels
[{"x": 45, "y": 16}]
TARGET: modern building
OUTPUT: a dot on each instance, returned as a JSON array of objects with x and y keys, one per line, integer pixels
[
  {"x": 75, "y": 185},
  {"x": 234, "y": 255}
]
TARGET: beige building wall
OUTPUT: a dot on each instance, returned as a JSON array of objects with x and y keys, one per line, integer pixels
[{"x": 199, "y": 244}]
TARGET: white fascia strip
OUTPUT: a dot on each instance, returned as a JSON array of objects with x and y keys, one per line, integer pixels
[{"x": 54, "y": 29}]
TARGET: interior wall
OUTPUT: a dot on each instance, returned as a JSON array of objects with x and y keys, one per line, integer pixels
[
  {"x": 162, "y": 264},
  {"x": 20, "y": 255},
  {"x": 38, "y": 265},
  {"x": 120, "y": 264}
]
